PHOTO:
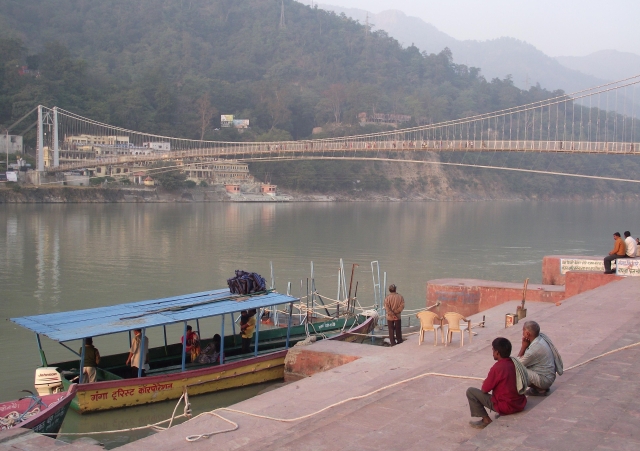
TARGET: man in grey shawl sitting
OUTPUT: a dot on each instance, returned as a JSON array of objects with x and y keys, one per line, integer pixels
[{"x": 541, "y": 359}]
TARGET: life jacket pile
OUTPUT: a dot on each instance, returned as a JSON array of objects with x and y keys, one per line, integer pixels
[{"x": 246, "y": 283}]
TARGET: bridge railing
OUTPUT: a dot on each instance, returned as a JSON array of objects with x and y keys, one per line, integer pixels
[{"x": 362, "y": 149}]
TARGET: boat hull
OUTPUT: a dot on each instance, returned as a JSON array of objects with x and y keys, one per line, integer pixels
[
  {"x": 49, "y": 420},
  {"x": 109, "y": 395}
]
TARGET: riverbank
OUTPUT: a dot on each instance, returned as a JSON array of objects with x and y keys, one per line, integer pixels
[
  {"x": 590, "y": 405},
  {"x": 19, "y": 194},
  {"x": 411, "y": 397}
]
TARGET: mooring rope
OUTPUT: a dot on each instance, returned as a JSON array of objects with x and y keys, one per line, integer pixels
[
  {"x": 155, "y": 426},
  {"x": 193, "y": 438},
  {"x": 13, "y": 418},
  {"x": 234, "y": 426}
]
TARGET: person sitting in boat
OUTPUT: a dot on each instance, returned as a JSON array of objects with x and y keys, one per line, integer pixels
[
  {"x": 541, "y": 359},
  {"x": 91, "y": 361},
  {"x": 247, "y": 327},
  {"x": 211, "y": 353},
  {"x": 507, "y": 380},
  {"x": 193, "y": 344},
  {"x": 136, "y": 351}
]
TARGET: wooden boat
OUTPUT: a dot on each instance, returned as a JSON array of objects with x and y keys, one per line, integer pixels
[
  {"x": 170, "y": 375},
  {"x": 41, "y": 414}
]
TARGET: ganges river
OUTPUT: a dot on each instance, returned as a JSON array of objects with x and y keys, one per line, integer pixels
[{"x": 67, "y": 257}]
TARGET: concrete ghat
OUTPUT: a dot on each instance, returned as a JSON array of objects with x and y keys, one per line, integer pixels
[
  {"x": 593, "y": 407},
  {"x": 26, "y": 440}
]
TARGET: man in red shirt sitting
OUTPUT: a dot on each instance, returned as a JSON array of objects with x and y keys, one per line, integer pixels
[{"x": 502, "y": 381}]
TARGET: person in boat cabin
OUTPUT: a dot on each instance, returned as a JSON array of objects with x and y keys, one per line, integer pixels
[
  {"x": 91, "y": 361},
  {"x": 247, "y": 328},
  {"x": 394, "y": 305},
  {"x": 193, "y": 344},
  {"x": 506, "y": 380},
  {"x": 540, "y": 358},
  {"x": 134, "y": 354},
  {"x": 211, "y": 353}
]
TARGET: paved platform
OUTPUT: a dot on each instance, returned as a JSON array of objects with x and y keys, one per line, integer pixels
[
  {"x": 26, "y": 440},
  {"x": 591, "y": 408}
]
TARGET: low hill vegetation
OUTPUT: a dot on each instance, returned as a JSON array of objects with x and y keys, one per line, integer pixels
[{"x": 172, "y": 67}]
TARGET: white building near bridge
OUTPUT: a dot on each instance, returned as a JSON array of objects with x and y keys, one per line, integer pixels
[
  {"x": 11, "y": 143},
  {"x": 157, "y": 145}
]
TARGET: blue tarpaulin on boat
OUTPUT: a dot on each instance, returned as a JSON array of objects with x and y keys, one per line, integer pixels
[{"x": 77, "y": 324}]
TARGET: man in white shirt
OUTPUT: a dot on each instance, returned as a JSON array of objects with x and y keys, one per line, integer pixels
[{"x": 630, "y": 242}]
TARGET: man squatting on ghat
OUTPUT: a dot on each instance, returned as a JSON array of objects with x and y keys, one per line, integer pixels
[
  {"x": 394, "y": 305},
  {"x": 540, "y": 358},
  {"x": 507, "y": 381}
]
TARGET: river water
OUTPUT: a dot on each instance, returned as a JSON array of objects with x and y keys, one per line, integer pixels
[{"x": 67, "y": 257}]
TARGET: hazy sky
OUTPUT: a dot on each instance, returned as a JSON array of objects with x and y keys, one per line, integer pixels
[{"x": 557, "y": 27}]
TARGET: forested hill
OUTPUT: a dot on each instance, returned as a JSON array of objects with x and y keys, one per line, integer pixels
[
  {"x": 173, "y": 66},
  {"x": 160, "y": 66}
]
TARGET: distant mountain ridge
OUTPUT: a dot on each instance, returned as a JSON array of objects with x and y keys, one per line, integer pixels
[
  {"x": 605, "y": 64},
  {"x": 503, "y": 56}
]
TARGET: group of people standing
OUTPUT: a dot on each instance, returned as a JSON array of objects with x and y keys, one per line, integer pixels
[{"x": 627, "y": 248}]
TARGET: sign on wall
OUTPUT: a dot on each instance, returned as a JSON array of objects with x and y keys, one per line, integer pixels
[
  {"x": 580, "y": 264},
  {"x": 627, "y": 267}
]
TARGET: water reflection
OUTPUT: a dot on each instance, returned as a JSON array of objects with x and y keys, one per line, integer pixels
[
  {"x": 47, "y": 293},
  {"x": 67, "y": 257}
]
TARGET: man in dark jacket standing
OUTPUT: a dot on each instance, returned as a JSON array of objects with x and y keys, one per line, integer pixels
[{"x": 393, "y": 305}]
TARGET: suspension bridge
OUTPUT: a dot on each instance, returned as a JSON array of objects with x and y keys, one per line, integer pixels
[{"x": 596, "y": 121}]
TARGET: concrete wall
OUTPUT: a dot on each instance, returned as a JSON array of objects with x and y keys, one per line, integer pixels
[
  {"x": 304, "y": 362},
  {"x": 471, "y": 296},
  {"x": 551, "y": 273},
  {"x": 579, "y": 282}
]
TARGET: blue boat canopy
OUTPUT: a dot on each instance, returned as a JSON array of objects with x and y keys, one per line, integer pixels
[{"x": 78, "y": 324}]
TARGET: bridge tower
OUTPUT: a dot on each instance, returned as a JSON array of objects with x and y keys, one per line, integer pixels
[
  {"x": 40, "y": 147},
  {"x": 48, "y": 119}
]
